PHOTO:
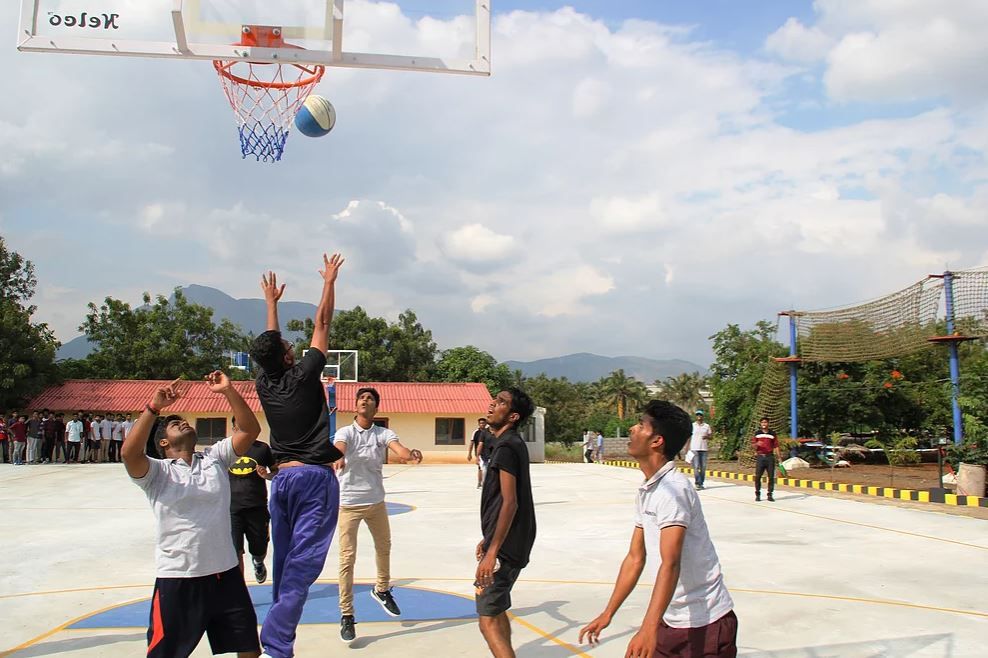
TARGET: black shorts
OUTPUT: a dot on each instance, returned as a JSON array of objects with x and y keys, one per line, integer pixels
[
  {"x": 182, "y": 609},
  {"x": 252, "y": 523},
  {"x": 496, "y": 597}
]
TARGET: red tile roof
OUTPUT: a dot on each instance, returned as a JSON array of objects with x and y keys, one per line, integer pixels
[
  {"x": 129, "y": 395},
  {"x": 121, "y": 396},
  {"x": 418, "y": 397}
]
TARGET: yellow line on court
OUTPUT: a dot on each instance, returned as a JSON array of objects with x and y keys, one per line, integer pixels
[
  {"x": 548, "y": 636},
  {"x": 74, "y": 590},
  {"x": 776, "y": 508},
  {"x": 62, "y": 627},
  {"x": 855, "y": 599}
]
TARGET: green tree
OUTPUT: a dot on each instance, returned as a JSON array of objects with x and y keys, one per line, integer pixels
[
  {"x": 685, "y": 390},
  {"x": 624, "y": 393},
  {"x": 469, "y": 364},
  {"x": 27, "y": 349},
  {"x": 401, "y": 351},
  {"x": 160, "y": 340},
  {"x": 566, "y": 405},
  {"x": 740, "y": 360}
]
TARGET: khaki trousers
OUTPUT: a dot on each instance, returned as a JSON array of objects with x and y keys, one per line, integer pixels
[{"x": 376, "y": 518}]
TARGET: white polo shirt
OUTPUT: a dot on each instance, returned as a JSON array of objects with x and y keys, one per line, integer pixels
[
  {"x": 191, "y": 505},
  {"x": 74, "y": 428},
  {"x": 362, "y": 477},
  {"x": 668, "y": 499},
  {"x": 700, "y": 437}
]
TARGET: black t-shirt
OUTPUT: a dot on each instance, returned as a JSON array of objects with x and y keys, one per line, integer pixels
[
  {"x": 488, "y": 441},
  {"x": 295, "y": 406},
  {"x": 247, "y": 488},
  {"x": 510, "y": 455}
]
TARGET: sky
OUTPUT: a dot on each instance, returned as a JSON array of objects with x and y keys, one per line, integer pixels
[{"x": 633, "y": 177}]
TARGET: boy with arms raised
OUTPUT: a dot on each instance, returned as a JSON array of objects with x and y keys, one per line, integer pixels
[
  {"x": 199, "y": 588},
  {"x": 305, "y": 495},
  {"x": 690, "y": 612}
]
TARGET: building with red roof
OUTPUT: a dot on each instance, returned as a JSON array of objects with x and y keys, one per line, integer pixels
[{"x": 438, "y": 418}]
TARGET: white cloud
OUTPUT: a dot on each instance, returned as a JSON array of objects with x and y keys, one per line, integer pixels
[
  {"x": 794, "y": 41},
  {"x": 478, "y": 244},
  {"x": 602, "y": 168}
]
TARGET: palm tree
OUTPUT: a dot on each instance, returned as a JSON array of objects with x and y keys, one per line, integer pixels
[
  {"x": 620, "y": 390},
  {"x": 684, "y": 390}
]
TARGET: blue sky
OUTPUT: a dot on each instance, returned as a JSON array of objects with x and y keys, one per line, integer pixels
[{"x": 633, "y": 177}]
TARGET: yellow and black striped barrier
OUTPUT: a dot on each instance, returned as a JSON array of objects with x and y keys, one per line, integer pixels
[{"x": 861, "y": 489}]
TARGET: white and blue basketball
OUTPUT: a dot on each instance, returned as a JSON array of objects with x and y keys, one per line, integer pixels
[{"x": 316, "y": 117}]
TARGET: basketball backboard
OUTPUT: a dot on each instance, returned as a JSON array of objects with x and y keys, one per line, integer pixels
[
  {"x": 446, "y": 36},
  {"x": 341, "y": 365}
]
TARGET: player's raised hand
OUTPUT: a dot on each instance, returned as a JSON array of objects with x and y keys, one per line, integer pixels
[
  {"x": 331, "y": 267},
  {"x": 269, "y": 284},
  {"x": 218, "y": 381},
  {"x": 165, "y": 396}
]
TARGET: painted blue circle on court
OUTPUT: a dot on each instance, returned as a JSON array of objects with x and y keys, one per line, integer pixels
[
  {"x": 322, "y": 607},
  {"x": 398, "y": 508}
]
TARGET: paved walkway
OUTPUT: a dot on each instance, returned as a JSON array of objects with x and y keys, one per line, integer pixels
[{"x": 811, "y": 575}]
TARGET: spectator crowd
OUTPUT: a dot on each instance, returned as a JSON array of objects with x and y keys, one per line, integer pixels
[{"x": 48, "y": 438}]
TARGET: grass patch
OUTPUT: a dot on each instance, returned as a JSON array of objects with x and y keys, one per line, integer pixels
[{"x": 560, "y": 452}]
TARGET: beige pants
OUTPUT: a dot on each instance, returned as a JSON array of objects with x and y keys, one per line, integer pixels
[{"x": 376, "y": 518}]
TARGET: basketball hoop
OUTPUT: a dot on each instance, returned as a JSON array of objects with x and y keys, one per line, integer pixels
[{"x": 265, "y": 97}]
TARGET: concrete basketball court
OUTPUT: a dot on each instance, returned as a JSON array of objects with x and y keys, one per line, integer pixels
[{"x": 810, "y": 575}]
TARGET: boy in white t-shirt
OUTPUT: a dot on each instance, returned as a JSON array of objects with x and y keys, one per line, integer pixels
[
  {"x": 199, "y": 587},
  {"x": 690, "y": 612},
  {"x": 361, "y": 471}
]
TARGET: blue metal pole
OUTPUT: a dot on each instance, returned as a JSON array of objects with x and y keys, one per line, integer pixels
[
  {"x": 955, "y": 369},
  {"x": 331, "y": 402},
  {"x": 793, "y": 417}
]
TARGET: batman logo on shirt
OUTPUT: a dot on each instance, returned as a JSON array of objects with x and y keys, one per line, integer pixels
[{"x": 243, "y": 466}]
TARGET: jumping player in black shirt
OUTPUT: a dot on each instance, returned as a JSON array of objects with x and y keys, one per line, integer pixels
[
  {"x": 507, "y": 518},
  {"x": 305, "y": 495}
]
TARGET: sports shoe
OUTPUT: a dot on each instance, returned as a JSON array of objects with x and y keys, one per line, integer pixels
[
  {"x": 260, "y": 571},
  {"x": 758, "y": 496},
  {"x": 771, "y": 499},
  {"x": 387, "y": 602},
  {"x": 347, "y": 631}
]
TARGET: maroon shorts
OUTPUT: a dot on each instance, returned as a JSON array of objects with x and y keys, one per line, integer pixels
[{"x": 718, "y": 639}]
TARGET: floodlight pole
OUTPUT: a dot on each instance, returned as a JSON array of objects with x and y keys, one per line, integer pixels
[{"x": 955, "y": 370}]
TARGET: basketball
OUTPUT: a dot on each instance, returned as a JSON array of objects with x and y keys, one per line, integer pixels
[{"x": 316, "y": 117}]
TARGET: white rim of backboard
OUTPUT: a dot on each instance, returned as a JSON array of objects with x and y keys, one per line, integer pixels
[{"x": 29, "y": 40}]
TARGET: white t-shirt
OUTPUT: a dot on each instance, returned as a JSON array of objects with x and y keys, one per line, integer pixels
[
  {"x": 668, "y": 499},
  {"x": 106, "y": 429},
  {"x": 118, "y": 428},
  {"x": 94, "y": 430},
  {"x": 127, "y": 424},
  {"x": 191, "y": 505},
  {"x": 362, "y": 477},
  {"x": 600, "y": 441},
  {"x": 74, "y": 428},
  {"x": 700, "y": 437}
]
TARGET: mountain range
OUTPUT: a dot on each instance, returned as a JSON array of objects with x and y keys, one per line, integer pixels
[
  {"x": 249, "y": 315},
  {"x": 586, "y": 367}
]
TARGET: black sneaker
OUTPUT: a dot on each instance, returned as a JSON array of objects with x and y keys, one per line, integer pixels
[
  {"x": 770, "y": 499},
  {"x": 758, "y": 496},
  {"x": 387, "y": 602},
  {"x": 347, "y": 631},
  {"x": 260, "y": 571}
]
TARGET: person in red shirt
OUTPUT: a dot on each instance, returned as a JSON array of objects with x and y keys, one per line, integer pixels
[
  {"x": 18, "y": 431},
  {"x": 4, "y": 443},
  {"x": 766, "y": 452}
]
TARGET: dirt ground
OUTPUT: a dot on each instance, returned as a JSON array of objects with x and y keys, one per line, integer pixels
[{"x": 920, "y": 476}]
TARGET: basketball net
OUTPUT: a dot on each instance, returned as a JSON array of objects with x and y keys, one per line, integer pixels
[{"x": 265, "y": 97}]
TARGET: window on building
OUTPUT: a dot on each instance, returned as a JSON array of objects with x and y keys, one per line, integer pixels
[
  {"x": 211, "y": 430},
  {"x": 450, "y": 431},
  {"x": 382, "y": 422}
]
